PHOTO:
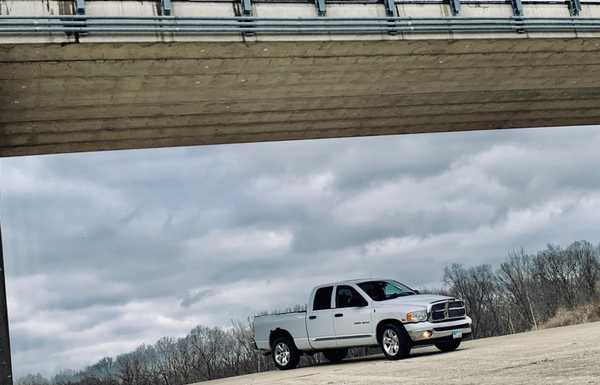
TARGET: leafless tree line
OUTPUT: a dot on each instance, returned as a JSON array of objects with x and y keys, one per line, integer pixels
[
  {"x": 527, "y": 290},
  {"x": 519, "y": 295},
  {"x": 204, "y": 354}
]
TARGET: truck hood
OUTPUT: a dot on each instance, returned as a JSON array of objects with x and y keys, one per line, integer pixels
[{"x": 416, "y": 300}]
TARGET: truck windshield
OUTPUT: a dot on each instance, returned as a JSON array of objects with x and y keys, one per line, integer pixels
[{"x": 384, "y": 290}]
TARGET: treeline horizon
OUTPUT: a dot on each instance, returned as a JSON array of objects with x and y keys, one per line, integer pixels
[{"x": 552, "y": 287}]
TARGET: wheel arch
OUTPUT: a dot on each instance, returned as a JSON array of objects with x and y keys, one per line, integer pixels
[
  {"x": 280, "y": 333},
  {"x": 394, "y": 321}
]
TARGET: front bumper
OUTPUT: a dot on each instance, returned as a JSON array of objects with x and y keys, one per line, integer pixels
[{"x": 422, "y": 332}]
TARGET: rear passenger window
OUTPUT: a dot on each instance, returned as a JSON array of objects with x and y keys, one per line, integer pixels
[
  {"x": 346, "y": 296},
  {"x": 323, "y": 298}
]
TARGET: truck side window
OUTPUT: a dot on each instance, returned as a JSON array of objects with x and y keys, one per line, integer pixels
[
  {"x": 346, "y": 296},
  {"x": 323, "y": 298}
]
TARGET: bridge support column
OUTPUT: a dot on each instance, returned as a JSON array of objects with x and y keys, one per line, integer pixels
[
  {"x": 575, "y": 7},
  {"x": 321, "y": 7},
  {"x": 517, "y": 7},
  {"x": 390, "y": 8},
  {"x": 5, "y": 358},
  {"x": 166, "y": 7},
  {"x": 455, "y": 7},
  {"x": 80, "y": 7},
  {"x": 246, "y": 7}
]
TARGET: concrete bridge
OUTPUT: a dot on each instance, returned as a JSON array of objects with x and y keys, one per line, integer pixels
[{"x": 96, "y": 75}]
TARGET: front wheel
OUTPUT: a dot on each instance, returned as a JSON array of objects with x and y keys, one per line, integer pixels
[
  {"x": 285, "y": 354},
  {"x": 394, "y": 342},
  {"x": 335, "y": 355},
  {"x": 448, "y": 346}
]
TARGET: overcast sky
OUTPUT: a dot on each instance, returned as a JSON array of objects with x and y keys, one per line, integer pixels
[{"x": 105, "y": 251}]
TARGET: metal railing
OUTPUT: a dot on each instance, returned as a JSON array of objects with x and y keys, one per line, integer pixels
[{"x": 330, "y": 25}]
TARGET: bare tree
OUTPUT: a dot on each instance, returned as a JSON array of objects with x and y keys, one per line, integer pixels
[
  {"x": 33, "y": 379},
  {"x": 515, "y": 279},
  {"x": 556, "y": 271},
  {"x": 66, "y": 377},
  {"x": 129, "y": 368},
  {"x": 206, "y": 343},
  {"x": 478, "y": 287},
  {"x": 587, "y": 264}
]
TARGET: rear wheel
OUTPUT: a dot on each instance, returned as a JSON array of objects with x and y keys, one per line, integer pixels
[
  {"x": 394, "y": 342},
  {"x": 285, "y": 354},
  {"x": 335, "y": 355},
  {"x": 448, "y": 346}
]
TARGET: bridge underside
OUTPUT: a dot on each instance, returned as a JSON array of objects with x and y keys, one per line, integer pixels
[
  {"x": 78, "y": 97},
  {"x": 83, "y": 93}
]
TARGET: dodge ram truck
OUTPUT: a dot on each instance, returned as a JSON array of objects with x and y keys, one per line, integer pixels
[{"x": 365, "y": 312}]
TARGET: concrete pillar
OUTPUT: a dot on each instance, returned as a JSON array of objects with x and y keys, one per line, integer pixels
[{"x": 5, "y": 359}]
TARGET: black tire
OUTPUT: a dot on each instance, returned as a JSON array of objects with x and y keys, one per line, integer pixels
[
  {"x": 335, "y": 355},
  {"x": 390, "y": 332},
  {"x": 280, "y": 347},
  {"x": 448, "y": 346}
]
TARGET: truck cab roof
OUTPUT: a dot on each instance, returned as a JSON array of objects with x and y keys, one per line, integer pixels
[{"x": 354, "y": 281}]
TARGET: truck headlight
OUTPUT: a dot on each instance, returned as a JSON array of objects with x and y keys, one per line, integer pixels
[{"x": 416, "y": 316}]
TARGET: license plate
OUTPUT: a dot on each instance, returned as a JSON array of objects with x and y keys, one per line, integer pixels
[{"x": 456, "y": 334}]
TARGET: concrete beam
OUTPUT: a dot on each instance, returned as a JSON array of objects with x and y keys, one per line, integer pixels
[{"x": 64, "y": 93}]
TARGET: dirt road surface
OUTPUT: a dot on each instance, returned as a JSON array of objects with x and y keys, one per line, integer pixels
[{"x": 567, "y": 355}]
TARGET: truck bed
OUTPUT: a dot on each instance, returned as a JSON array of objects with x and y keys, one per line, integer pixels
[{"x": 293, "y": 322}]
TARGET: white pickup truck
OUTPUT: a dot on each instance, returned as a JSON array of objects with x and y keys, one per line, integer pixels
[{"x": 366, "y": 312}]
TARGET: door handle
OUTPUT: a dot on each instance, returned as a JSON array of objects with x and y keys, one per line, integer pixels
[
  {"x": 338, "y": 315},
  {"x": 312, "y": 317}
]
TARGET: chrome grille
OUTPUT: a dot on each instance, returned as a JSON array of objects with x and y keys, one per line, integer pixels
[{"x": 447, "y": 310}]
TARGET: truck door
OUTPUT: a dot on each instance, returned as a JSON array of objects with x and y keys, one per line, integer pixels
[
  {"x": 352, "y": 318},
  {"x": 319, "y": 319}
]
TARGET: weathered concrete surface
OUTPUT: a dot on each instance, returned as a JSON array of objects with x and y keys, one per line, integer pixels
[
  {"x": 568, "y": 355},
  {"x": 117, "y": 92}
]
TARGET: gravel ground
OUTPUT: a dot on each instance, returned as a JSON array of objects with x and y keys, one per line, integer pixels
[{"x": 566, "y": 355}]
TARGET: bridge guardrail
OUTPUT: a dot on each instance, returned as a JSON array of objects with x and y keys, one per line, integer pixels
[{"x": 262, "y": 25}]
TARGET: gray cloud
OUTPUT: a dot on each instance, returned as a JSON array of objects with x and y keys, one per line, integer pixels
[
  {"x": 105, "y": 251},
  {"x": 195, "y": 296}
]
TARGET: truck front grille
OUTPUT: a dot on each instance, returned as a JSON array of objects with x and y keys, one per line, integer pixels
[{"x": 447, "y": 310}]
